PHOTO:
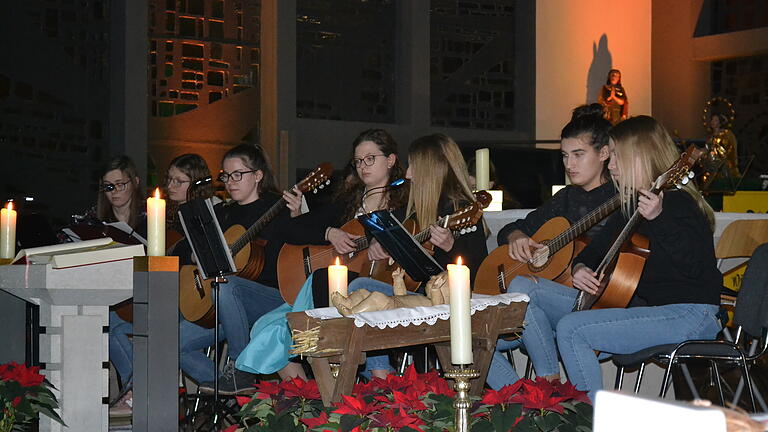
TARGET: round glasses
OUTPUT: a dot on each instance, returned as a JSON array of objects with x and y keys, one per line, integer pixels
[
  {"x": 236, "y": 176},
  {"x": 110, "y": 187},
  {"x": 367, "y": 160}
]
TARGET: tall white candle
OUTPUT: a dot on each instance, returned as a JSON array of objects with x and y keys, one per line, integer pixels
[
  {"x": 156, "y": 225},
  {"x": 482, "y": 169},
  {"x": 461, "y": 321},
  {"x": 8, "y": 231},
  {"x": 337, "y": 279}
]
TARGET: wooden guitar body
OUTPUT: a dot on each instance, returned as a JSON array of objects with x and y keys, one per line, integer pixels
[
  {"x": 309, "y": 258},
  {"x": 619, "y": 284},
  {"x": 195, "y": 293},
  {"x": 498, "y": 269}
]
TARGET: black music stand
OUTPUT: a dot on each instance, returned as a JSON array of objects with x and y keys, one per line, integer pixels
[
  {"x": 400, "y": 245},
  {"x": 214, "y": 260}
]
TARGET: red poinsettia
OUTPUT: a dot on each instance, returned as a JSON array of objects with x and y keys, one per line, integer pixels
[
  {"x": 297, "y": 387},
  {"x": 356, "y": 406},
  {"x": 316, "y": 421},
  {"x": 267, "y": 389},
  {"x": 365, "y": 388},
  {"x": 242, "y": 400},
  {"x": 232, "y": 428},
  {"x": 408, "y": 401},
  {"x": 25, "y": 376},
  {"x": 395, "y": 420},
  {"x": 539, "y": 396},
  {"x": 569, "y": 391},
  {"x": 503, "y": 396}
]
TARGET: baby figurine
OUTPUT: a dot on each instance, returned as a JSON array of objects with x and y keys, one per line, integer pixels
[{"x": 366, "y": 301}]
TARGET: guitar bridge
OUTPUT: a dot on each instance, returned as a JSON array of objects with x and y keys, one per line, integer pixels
[
  {"x": 199, "y": 285},
  {"x": 502, "y": 279}
]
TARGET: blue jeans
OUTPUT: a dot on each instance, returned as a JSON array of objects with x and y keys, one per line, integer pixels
[
  {"x": 376, "y": 362},
  {"x": 120, "y": 347},
  {"x": 624, "y": 331},
  {"x": 193, "y": 339},
  {"x": 242, "y": 303},
  {"x": 549, "y": 301}
]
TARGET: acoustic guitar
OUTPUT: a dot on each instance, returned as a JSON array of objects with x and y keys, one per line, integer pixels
[
  {"x": 459, "y": 222},
  {"x": 623, "y": 264},
  {"x": 195, "y": 294},
  {"x": 310, "y": 258},
  {"x": 553, "y": 261}
]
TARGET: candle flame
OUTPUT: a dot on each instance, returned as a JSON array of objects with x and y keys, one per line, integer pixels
[
  {"x": 157, "y": 193},
  {"x": 9, "y": 206},
  {"x": 337, "y": 261},
  {"x": 458, "y": 261}
]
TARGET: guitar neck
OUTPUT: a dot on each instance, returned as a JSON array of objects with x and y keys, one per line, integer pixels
[
  {"x": 616, "y": 246},
  {"x": 257, "y": 226},
  {"x": 584, "y": 224}
]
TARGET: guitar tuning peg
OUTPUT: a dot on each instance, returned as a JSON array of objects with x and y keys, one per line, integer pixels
[
  {"x": 691, "y": 174},
  {"x": 462, "y": 231},
  {"x": 328, "y": 181},
  {"x": 685, "y": 180},
  {"x": 314, "y": 191},
  {"x": 474, "y": 228},
  {"x": 678, "y": 186},
  {"x": 322, "y": 186}
]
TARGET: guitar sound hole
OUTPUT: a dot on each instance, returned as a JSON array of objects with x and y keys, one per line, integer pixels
[{"x": 540, "y": 258}]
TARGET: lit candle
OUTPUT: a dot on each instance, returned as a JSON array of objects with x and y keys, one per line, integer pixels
[
  {"x": 156, "y": 225},
  {"x": 337, "y": 279},
  {"x": 482, "y": 169},
  {"x": 8, "y": 231},
  {"x": 461, "y": 322}
]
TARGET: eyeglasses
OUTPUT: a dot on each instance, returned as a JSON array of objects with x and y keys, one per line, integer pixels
[
  {"x": 368, "y": 160},
  {"x": 175, "y": 182},
  {"x": 110, "y": 187},
  {"x": 236, "y": 176}
]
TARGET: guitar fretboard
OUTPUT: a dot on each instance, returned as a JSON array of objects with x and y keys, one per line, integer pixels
[
  {"x": 250, "y": 234},
  {"x": 584, "y": 224}
]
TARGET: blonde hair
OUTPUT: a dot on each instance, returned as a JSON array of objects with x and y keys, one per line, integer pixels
[
  {"x": 643, "y": 151},
  {"x": 441, "y": 175}
]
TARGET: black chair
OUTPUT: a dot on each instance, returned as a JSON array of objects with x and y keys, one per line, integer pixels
[{"x": 750, "y": 342}]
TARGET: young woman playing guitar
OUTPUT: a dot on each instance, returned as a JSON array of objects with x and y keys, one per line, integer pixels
[
  {"x": 373, "y": 166},
  {"x": 439, "y": 186},
  {"x": 584, "y": 147},
  {"x": 250, "y": 183},
  {"x": 678, "y": 294},
  {"x": 187, "y": 178}
]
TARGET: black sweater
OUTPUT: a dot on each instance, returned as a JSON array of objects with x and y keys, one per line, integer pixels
[
  {"x": 231, "y": 213},
  {"x": 471, "y": 247},
  {"x": 681, "y": 267},
  {"x": 572, "y": 203}
]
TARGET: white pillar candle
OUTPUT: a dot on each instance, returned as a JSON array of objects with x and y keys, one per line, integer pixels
[
  {"x": 156, "y": 225},
  {"x": 337, "y": 279},
  {"x": 8, "y": 232},
  {"x": 482, "y": 169},
  {"x": 461, "y": 321}
]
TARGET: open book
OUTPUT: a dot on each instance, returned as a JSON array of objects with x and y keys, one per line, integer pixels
[{"x": 80, "y": 253}]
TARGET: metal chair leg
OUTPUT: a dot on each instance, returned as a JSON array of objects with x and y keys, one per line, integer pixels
[
  {"x": 667, "y": 376},
  {"x": 639, "y": 377},
  {"x": 619, "y": 378},
  {"x": 689, "y": 380},
  {"x": 718, "y": 382}
]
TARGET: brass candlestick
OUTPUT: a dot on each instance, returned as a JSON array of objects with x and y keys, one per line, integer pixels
[{"x": 462, "y": 375}]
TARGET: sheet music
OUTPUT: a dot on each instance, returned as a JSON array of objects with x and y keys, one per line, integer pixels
[{"x": 124, "y": 227}]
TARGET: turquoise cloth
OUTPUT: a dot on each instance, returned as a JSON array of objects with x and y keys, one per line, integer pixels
[{"x": 267, "y": 352}]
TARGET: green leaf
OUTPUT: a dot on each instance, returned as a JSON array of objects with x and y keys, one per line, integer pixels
[
  {"x": 503, "y": 420},
  {"x": 548, "y": 422},
  {"x": 483, "y": 426},
  {"x": 349, "y": 422}
]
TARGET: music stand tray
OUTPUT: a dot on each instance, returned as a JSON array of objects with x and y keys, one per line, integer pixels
[{"x": 400, "y": 245}]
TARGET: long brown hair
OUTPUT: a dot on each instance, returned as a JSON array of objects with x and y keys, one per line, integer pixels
[
  {"x": 254, "y": 158},
  {"x": 193, "y": 166},
  {"x": 440, "y": 177},
  {"x": 644, "y": 150},
  {"x": 104, "y": 211},
  {"x": 352, "y": 187}
]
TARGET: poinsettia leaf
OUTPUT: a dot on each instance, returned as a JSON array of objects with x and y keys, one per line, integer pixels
[
  {"x": 349, "y": 422},
  {"x": 585, "y": 410},
  {"x": 548, "y": 422},
  {"x": 51, "y": 413},
  {"x": 503, "y": 420},
  {"x": 483, "y": 425},
  {"x": 565, "y": 427}
]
